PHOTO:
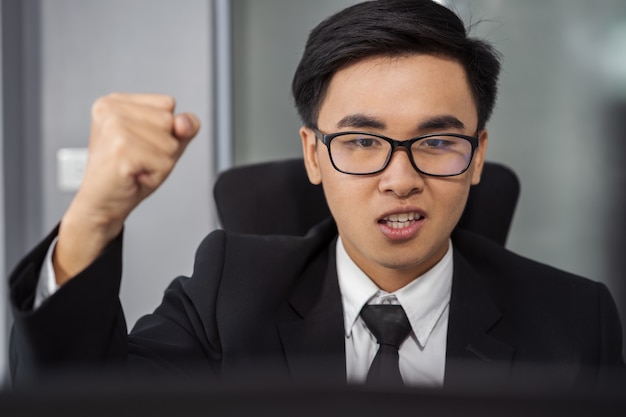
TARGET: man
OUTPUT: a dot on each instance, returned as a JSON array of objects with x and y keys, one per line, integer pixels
[{"x": 394, "y": 99}]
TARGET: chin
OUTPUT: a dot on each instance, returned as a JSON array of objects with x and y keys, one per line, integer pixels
[{"x": 401, "y": 264}]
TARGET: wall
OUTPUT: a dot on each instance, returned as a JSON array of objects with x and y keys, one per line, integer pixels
[
  {"x": 57, "y": 58},
  {"x": 21, "y": 163},
  {"x": 3, "y": 288},
  {"x": 91, "y": 48},
  {"x": 269, "y": 38}
]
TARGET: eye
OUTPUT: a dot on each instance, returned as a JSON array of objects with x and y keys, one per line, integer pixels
[
  {"x": 365, "y": 142},
  {"x": 437, "y": 143},
  {"x": 440, "y": 145},
  {"x": 359, "y": 142}
]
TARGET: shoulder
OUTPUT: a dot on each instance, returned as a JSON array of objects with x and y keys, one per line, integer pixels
[
  {"x": 224, "y": 244},
  {"x": 542, "y": 307},
  {"x": 240, "y": 256},
  {"x": 238, "y": 278},
  {"x": 495, "y": 262},
  {"x": 525, "y": 288}
]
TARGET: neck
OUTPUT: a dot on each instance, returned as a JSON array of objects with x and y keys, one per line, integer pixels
[
  {"x": 392, "y": 275},
  {"x": 391, "y": 280}
]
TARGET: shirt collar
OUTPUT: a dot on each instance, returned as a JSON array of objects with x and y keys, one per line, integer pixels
[{"x": 424, "y": 299}]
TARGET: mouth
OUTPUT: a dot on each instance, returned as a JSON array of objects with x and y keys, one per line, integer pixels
[{"x": 401, "y": 220}]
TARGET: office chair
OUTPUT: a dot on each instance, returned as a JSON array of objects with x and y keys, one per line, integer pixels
[{"x": 277, "y": 198}]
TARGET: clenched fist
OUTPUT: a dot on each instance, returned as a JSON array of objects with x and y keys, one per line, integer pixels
[{"x": 136, "y": 139}]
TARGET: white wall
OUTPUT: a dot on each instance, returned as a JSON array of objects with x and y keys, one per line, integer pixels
[{"x": 92, "y": 47}]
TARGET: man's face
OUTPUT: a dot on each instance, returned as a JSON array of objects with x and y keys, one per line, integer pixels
[{"x": 401, "y": 97}]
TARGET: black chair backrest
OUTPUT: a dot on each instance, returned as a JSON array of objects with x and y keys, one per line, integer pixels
[{"x": 277, "y": 198}]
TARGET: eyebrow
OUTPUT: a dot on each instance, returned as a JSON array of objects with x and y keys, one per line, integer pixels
[
  {"x": 362, "y": 121},
  {"x": 441, "y": 123}
]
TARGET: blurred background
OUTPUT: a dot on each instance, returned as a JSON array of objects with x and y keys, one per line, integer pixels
[{"x": 559, "y": 122}]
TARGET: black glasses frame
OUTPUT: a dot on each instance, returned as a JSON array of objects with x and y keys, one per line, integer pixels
[{"x": 395, "y": 144}]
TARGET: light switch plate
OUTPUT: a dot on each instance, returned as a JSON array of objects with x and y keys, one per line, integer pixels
[{"x": 71, "y": 164}]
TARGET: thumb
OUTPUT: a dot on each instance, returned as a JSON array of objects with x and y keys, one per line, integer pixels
[{"x": 186, "y": 125}]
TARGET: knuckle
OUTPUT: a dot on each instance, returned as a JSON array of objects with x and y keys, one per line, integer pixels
[
  {"x": 166, "y": 121},
  {"x": 104, "y": 105},
  {"x": 165, "y": 158},
  {"x": 99, "y": 108},
  {"x": 171, "y": 148},
  {"x": 116, "y": 95},
  {"x": 169, "y": 102},
  {"x": 164, "y": 144}
]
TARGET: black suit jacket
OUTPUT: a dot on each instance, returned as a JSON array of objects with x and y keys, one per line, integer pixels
[{"x": 272, "y": 304}]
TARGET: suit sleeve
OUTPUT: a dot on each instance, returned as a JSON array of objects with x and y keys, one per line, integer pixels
[{"x": 81, "y": 328}]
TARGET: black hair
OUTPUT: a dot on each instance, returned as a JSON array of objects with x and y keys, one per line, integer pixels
[{"x": 392, "y": 28}]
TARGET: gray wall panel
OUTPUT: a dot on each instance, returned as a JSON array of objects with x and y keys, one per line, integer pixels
[{"x": 90, "y": 48}]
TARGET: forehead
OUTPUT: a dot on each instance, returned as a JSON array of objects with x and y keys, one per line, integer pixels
[{"x": 399, "y": 91}]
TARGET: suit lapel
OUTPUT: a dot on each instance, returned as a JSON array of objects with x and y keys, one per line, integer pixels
[
  {"x": 313, "y": 333},
  {"x": 473, "y": 354}
]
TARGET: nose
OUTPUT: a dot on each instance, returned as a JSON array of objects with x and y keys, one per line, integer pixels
[{"x": 400, "y": 178}]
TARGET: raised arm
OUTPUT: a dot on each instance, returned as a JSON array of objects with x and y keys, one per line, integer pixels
[{"x": 136, "y": 139}]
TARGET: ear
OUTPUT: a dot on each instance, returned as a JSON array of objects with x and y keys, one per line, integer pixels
[
  {"x": 309, "y": 151},
  {"x": 479, "y": 156}
]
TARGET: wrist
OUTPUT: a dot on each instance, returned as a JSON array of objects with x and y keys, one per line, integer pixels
[{"x": 83, "y": 235}]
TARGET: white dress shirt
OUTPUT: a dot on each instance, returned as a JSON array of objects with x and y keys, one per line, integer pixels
[
  {"x": 47, "y": 284},
  {"x": 426, "y": 302}
]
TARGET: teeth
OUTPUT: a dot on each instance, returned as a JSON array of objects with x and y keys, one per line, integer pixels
[
  {"x": 398, "y": 225},
  {"x": 402, "y": 217},
  {"x": 398, "y": 221}
]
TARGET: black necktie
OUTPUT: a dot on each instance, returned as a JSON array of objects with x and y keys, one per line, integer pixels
[{"x": 390, "y": 326}]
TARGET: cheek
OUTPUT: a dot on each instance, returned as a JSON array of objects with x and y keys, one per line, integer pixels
[
  {"x": 449, "y": 199},
  {"x": 339, "y": 195},
  {"x": 348, "y": 197}
]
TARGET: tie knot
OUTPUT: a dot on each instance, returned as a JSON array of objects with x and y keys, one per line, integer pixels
[{"x": 388, "y": 323}]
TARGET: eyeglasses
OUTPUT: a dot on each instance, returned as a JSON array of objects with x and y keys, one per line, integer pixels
[{"x": 436, "y": 154}]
